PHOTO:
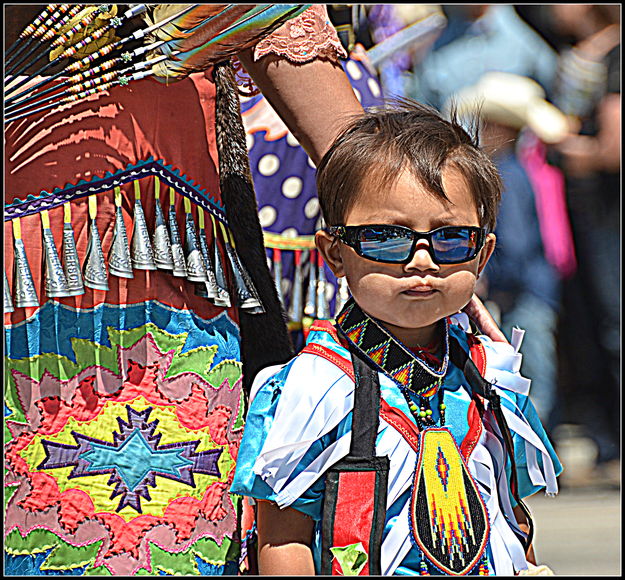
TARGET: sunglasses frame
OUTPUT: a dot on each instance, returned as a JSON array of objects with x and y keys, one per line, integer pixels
[{"x": 349, "y": 236}]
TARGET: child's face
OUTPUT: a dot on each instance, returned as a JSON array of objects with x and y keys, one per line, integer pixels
[{"x": 410, "y": 298}]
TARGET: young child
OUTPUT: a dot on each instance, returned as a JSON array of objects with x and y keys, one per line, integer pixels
[{"x": 410, "y": 202}]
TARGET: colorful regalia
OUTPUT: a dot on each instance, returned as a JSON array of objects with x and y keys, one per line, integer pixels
[
  {"x": 449, "y": 506},
  {"x": 134, "y": 263}
]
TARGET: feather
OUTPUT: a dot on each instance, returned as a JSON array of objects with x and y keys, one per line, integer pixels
[
  {"x": 211, "y": 33},
  {"x": 195, "y": 27}
]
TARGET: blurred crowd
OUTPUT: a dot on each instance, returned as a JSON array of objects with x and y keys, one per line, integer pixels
[{"x": 543, "y": 83}]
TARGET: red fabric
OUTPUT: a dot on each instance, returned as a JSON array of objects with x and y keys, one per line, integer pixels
[
  {"x": 105, "y": 133},
  {"x": 477, "y": 352},
  {"x": 354, "y": 512},
  {"x": 475, "y": 431},
  {"x": 330, "y": 355}
]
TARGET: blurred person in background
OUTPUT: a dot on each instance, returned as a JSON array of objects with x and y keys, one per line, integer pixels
[
  {"x": 588, "y": 90},
  {"x": 480, "y": 38},
  {"x": 519, "y": 282}
]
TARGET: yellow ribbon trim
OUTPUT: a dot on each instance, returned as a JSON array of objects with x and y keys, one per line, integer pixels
[
  {"x": 45, "y": 219},
  {"x": 17, "y": 229},
  {"x": 281, "y": 242},
  {"x": 93, "y": 206}
]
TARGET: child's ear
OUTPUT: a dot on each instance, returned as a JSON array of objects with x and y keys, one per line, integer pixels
[
  {"x": 329, "y": 248},
  {"x": 486, "y": 252}
]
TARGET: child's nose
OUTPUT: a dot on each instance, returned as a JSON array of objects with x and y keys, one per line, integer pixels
[{"x": 421, "y": 259}]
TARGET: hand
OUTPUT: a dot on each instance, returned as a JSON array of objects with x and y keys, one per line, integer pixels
[{"x": 478, "y": 313}]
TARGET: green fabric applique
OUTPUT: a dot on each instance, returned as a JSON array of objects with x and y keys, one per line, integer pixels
[
  {"x": 63, "y": 555},
  {"x": 352, "y": 558}
]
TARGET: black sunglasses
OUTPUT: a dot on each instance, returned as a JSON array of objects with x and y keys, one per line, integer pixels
[{"x": 397, "y": 244}]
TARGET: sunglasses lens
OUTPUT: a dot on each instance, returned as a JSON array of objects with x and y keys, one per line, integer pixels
[
  {"x": 454, "y": 245},
  {"x": 387, "y": 244}
]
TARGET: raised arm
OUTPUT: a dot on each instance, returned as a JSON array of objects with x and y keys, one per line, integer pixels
[{"x": 312, "y": 98}]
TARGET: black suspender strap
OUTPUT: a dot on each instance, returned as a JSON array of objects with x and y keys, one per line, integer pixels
[{"x": 366, "y": 414}]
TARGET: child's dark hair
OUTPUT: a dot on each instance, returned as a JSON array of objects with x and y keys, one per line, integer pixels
[{"x": 380, "y": 144}]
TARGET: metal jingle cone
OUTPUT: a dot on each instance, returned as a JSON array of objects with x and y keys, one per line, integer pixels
[
  {"x": 120, "y": 261},
  {"x": 223, "y": 296},
  {"x": 310, "y": 306},
  {"x": 247, "y": 297},
  {"x": 161, "y": 243},
  {"x": 211, "y": 283},
  {"x": 71, "y": 263},
  {"x": 342, "y": 295},
  {"x": 94, "y": 272},
  {"x": 55, "y": 280},
  {"x": 142, "y": 252},
  {"x": 323, "y": 309},
  {"x": 196, "y": 270},
  {"x": 25, "y": 293},
  {"x": 8, "y": 303},
  {"x": 277, "y": 273},
  {"x": 177, "y": 253},
  {"x": 296, "y": 306},
  {"x": 205, "y": 290}
]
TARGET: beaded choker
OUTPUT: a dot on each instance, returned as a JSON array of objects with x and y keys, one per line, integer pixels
[{"x": 390, "y": 356}]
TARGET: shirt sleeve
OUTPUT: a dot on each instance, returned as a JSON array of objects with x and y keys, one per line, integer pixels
[
  {"x": 306, "y": 37},
  {"x": 292, "y": 420}
]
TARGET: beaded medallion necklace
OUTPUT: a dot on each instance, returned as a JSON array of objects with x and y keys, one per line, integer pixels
[{"x": 414, "y": 375}]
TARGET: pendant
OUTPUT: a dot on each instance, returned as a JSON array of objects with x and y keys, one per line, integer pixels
[{"x": 448, "y": 517}]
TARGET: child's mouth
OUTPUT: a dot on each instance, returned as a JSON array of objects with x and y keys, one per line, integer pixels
[{"x": 421, "y": 292}]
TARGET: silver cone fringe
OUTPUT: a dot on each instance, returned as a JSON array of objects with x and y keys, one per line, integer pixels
[
  {"x": 311, "y": 294},
  {"x": 296, "y": 306},
  {"x": 25, "y": 294},
  {"x": 323, "y": 310},
  {"x": 180, "y": 267},
  {"x": 223, "y": 296},
  {"x": 247, "y": 296},
  {"x": 342, "y": 295},
  {"x": 142, "y": 252},
  {"x": 196, "y": 271},
  {"x": 8, "y": 303},
  {"x": 211, "y": 282},
  {"x": 56, "y": 282},
  {"x": 161, "y": 243},
  {"x": 71, "y": 264},
  {"x": 94, "y": 272},
  {"x": 120, "y": 261}
]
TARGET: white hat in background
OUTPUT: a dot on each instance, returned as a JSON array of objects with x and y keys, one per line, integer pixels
[{"x": 512, "y": 100}]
